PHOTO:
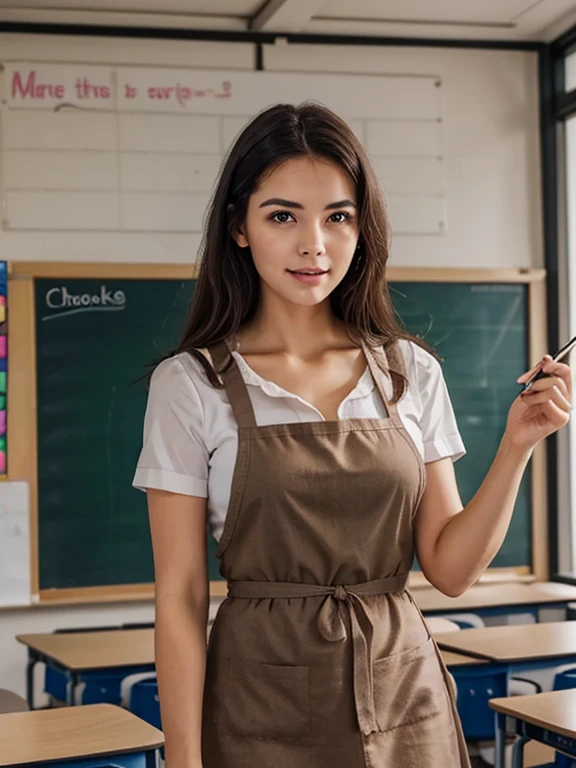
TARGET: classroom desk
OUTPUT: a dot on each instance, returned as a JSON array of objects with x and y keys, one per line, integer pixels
[
  {"x": 497, "y": 599},
  {"x": 516, "y": 648},
  {"x": 65, "y": 733},
  {"x": 529, "y": 646},
  {"x": 549, "y": 718},
  {"x": 74, "y": 653},
  {"x": 452, "y": 659}
]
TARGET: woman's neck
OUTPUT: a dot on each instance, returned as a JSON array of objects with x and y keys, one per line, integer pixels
[{"x": 298, "y": 331}]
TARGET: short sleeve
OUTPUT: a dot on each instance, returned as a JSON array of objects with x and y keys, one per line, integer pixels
[
  {"x": 440, "y": 435},
  {"x": 174, "y": 456}
]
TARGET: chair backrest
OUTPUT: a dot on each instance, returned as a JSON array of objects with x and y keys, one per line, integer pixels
[
  {"x": 476, "y": 686},
  {"x": 144, "y": 702},
  {"x": 565, "y": 679}
]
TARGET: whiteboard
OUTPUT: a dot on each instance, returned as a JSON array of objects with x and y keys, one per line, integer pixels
[{"x": 138, "y": 149}]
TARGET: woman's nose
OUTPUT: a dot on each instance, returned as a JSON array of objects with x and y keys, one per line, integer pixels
[{"x": 312, "y": 246}]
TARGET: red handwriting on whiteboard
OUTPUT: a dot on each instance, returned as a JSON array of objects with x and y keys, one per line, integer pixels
[
  {"x": 29, "y": 86},
  {"x": 183, "y": 93},
  {"x": 86, "y": 90},
  {"x": 33, "y": 89}
]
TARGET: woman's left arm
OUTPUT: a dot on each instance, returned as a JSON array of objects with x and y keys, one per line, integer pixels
[{"x": 455, "y": 544}]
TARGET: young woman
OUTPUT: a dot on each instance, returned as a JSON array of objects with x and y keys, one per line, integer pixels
[{"x": 317, "y": 439}]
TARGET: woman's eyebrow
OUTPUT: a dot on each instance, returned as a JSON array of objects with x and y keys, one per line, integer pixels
[
  {"x": 341, "y": 204},
  {"x": 291, "y": 204},
  {"x": 282, "y": 202}
]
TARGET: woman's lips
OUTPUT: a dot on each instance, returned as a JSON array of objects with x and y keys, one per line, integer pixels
[{"x": 309, "y": 277}]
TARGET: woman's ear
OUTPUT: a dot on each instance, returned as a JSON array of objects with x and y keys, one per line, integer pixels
[
  {"x": 236, "y": 231},
  {"x": 240, "y": 238}
]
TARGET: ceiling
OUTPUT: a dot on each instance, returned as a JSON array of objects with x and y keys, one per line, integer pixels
[{"x": 533, "y": 20}]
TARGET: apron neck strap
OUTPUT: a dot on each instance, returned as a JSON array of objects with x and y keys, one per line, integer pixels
[
  {"x": 235, "y": 386},
  {"x": 226, "y": 366},
  {"x": 380, "y": 361}
]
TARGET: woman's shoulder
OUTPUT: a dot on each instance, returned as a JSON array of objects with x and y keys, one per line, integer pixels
[
  {"x": 416, "y": 358},
  {"x": 179, "y": 373},
  {"x": 422, "y": 369},
  {"x": 181, "y": 364}
]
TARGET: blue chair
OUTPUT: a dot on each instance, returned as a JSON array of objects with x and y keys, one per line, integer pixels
[
  {"x": 144, "y": 702},
  {"x": 476, "y": 686},
  {"x": 565, "y": 680}
]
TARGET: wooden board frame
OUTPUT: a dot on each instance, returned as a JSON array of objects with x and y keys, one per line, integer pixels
[{"x": 22, "y": 406}]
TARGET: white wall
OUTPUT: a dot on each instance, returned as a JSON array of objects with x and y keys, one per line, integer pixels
[
  {"x": 490, "y": 133},
  {"x": 114, "y": 246},
  {"x": 491, "y": 147},
  {"x": 492, "y": 162}
]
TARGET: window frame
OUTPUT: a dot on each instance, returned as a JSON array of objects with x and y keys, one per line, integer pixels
[{"x": 557, "y": 107}]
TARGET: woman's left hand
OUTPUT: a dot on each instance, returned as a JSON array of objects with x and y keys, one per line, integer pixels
[{"x": 544, "y": 408}]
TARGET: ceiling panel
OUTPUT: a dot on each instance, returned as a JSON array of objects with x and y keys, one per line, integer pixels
[
  {"x": 472, "y": 19},
  {"x": 452, "y": 11},
  {"x": 181, "y": 7}
]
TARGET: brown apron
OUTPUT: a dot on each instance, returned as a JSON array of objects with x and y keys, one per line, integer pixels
[{"x": 319, "y": 657}]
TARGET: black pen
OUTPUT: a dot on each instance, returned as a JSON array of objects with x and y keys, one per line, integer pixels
[{"x": 562, "y": 352}]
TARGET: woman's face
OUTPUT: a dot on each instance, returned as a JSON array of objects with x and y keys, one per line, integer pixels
[{"x": 302, "y": 229}]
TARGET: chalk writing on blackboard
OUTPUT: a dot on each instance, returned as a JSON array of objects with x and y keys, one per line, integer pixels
[{"x": 65, "y": 302}]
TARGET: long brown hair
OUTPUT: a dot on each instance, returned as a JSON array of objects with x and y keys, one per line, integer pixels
[{"x": 228, "y": 286}]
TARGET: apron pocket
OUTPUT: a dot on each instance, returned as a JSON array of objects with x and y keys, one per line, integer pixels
[
  {"x": 266, "y": 701},
  {"x": 409, "y": 687}
]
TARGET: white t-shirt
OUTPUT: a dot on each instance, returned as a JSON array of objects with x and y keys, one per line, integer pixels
[{"x": 191, "y": 436}]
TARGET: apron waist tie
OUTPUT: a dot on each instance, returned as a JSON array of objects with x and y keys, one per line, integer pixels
[{"x": 333, "y": 628}]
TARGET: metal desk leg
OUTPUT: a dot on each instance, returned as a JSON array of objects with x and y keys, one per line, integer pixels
[
  {"x": 72, "y": 679},
  {"x": 33, "y": 659},
  {"x": 518, "y": 753},
  {"x": 500, "y": 743},
  {"x": 153, "y": 759}
]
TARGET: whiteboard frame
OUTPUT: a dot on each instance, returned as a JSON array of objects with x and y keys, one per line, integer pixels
[{"x": 22, "y": 404}]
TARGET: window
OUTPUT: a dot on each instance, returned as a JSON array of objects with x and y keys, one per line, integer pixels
[
  {"x": 570, "y": 134},
  {"x": 561, "y": 144}
]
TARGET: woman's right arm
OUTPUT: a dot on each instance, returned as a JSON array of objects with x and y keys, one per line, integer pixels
[{"x": 178, "y": 528}]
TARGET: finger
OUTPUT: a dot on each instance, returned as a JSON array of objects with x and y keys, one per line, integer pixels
[
  {"x": 556, "y": 414},
  {"x": 561, "y": 370},
  {"x": 551, "y": 394},
  {"x": 550, "y": 381},
  {"x": 532, "y": 371}
]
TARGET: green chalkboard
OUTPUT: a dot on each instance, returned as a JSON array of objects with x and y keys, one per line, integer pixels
[
  {"x": 93, "y": 339},
  {"x": 481, "y": 332}
]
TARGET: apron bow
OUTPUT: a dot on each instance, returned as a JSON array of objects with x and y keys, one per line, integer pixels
[{"x": 332, "y": 626}]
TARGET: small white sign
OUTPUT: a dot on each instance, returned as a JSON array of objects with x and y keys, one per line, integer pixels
[{"x": 14, "y": 543}]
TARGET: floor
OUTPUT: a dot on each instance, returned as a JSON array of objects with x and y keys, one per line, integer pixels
[{"x": 534, "y": 755}]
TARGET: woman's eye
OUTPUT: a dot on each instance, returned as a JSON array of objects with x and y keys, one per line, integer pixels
[
  {"x": 282, "y": 217},
  {"x": 339, "y": 217}
]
